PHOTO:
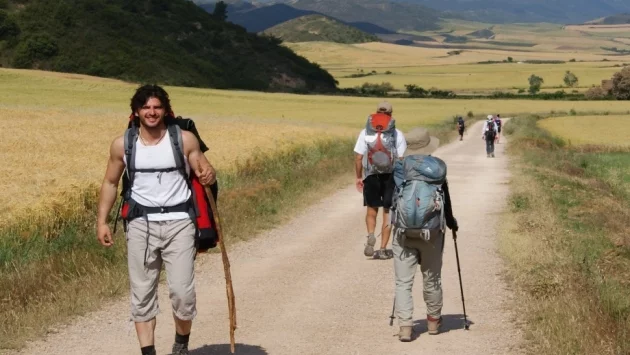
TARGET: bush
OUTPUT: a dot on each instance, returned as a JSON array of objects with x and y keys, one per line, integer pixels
[
  {"x": 621, "y": 84},
  {"x": 573, "y": 112},
  {"x": 8, "y": 27},
  {"x": 570, "y": 79},
  {"x": 535, "y": 82},
  {"x": 470, "y": 114},
  {"x": 38, "y": 47},
  {"x": 373, "y": 89},
  {"x": 596, "y": 93},
  {"x": 520, "y": 91}
]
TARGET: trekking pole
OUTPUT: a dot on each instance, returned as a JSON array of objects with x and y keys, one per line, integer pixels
[
  {"x": 226, "y": 267},
  {"x": 461, "y": 287},
  {"x": 391, "y": 318}
]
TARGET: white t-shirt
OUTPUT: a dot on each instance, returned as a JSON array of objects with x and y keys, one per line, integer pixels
[{"x": 362, "y": 143}]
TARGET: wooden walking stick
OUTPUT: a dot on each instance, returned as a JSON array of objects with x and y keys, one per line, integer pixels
[{"x": 226, "y": 268}]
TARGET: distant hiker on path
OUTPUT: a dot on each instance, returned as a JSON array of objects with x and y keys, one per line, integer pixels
[
  {"x": 461, "y": 127},
  {"x": 159, "y": 229},
  {"x": 421, "y": 212},
  {"x": 489, "y": 134},
  {"x": 498, "y": 123},
  {"x": 378, "y": 147}
]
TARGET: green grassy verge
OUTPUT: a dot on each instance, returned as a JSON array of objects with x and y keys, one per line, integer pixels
[{"x": 567, "y": 243}]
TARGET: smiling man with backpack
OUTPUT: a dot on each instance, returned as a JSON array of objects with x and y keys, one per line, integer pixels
[
  {"x": 161, "y": 213},
  {"x": 421, "y": 211},
  {"x": 379, "y": 146}
]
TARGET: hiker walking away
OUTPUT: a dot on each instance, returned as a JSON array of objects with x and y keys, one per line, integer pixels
[
  {"x": 461, "y": 126},
  {"x": 498, "y": 123},
  {"x": 379, "y": 145},
  {"x": 421, "y": 211},
  {"x": 159, "y": 226},
  {"x": 489, "y": 134}
]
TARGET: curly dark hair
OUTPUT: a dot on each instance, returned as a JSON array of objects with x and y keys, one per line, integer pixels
[{"x": 145, "y": 92}]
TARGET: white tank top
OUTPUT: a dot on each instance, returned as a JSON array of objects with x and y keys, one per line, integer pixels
[{"x": 159, "y": 189}]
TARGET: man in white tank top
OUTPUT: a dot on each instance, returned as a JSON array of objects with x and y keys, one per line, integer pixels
[{"x": 159, "y": 238}]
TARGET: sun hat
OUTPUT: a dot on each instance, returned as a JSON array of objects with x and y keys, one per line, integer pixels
[{"x": 419, "y": 141}]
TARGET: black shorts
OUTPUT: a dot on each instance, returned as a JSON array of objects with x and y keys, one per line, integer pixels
[
  {"x": 378, "y": 190},
  {"x": 461, "y": 131},
  {"x": 499, "y": 129}
]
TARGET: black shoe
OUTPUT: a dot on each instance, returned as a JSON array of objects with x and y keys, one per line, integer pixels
[{"x": 180, "y": 349}]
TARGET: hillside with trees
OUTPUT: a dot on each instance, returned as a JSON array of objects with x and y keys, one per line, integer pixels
[
  {"x": 171, "y": 42},
  {"x": 319, "y": 28}
]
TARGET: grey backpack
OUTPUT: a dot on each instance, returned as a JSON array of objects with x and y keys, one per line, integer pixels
[
  {"x": 382, "y": 151},
  {"x": 418, "y": 203}
]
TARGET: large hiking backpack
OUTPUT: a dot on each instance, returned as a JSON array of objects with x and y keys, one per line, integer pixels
[
  {"x": 490, "y": 132},
  {"x": 418, "y": 205},
  {"x": 382, "y": 151},
  {"x": 498, "y": 123},
  {"x": 198, "y": 207}
]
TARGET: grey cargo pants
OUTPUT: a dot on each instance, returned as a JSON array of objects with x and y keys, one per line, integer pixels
[{"x": 406, "y": 259}]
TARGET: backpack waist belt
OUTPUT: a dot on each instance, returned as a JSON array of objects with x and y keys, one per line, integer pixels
[{"x": 136, "y": 210}]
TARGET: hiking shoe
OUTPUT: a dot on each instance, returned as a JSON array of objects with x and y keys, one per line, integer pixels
[
  {"x": 383, "y": 254},
  {"x": 405, "y": 333},
  {"x": 180, "y": 349},
  {"x": 369, "y": 247},
  {"x": 493, "y": 155},
  {"x": 434, "y": 325}
]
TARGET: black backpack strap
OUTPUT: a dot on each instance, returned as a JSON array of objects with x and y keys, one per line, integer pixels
[
  {"x": 177, "y": 144},
  {"x": 131, "y": 136}
]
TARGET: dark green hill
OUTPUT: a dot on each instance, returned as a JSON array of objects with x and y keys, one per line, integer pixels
[
  {"x": 391, "y": 15},
  {"x": 166, "y": 41},
  {"x": 319, "y": 28}
]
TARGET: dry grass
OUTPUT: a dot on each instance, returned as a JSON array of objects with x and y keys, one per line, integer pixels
[
  {"x": 566, "y": 244},
  {"x": 58, "y": 127},
  {"x": 584, "y": 130}
]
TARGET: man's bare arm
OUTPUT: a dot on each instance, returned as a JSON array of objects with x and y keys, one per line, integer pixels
[
  {"x": 109, "y": 189},
  {"x": 197, "y": 160}
]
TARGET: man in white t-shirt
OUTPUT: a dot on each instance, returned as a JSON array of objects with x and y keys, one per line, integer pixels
[{"x": 376, "y": 150}]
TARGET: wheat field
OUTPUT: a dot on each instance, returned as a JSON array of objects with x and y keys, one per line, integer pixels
[
  {"x": 599, "y": 130},
  {"x": 57, "y": 127},
  {"x": 432, "y": 67}
]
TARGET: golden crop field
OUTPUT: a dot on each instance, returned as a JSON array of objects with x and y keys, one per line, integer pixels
[
  {"x": 430, "y": 67},
  {"x": 600, "y": 130},
  {"x": 57, "y": 127}
]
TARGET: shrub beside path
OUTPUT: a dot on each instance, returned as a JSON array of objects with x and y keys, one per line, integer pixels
[{"x": 306, "y": 288}]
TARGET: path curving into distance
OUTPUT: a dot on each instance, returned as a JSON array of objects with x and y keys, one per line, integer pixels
[{"x": 306, "y": 288}]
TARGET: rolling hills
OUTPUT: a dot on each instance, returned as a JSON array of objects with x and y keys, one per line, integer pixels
[
  {"x": 319, "y": 28},
  {"x": 509, "y": 11},
  {"x": 620, "y": 19},
  {"x": 171, "y": 42}
]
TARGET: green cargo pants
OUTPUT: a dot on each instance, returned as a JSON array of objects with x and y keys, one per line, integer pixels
[{"x": 408, "y": 253}]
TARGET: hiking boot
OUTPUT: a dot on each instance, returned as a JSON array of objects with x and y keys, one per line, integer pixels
[
  {"x": 383, "y": 254},
  {"x": 493, "y": 155},
  {"x": 180, "y": 349},
  {"x": 405, "y": 333},
  {"x": 434, "y": 325},
  {"x": 369, "y": 247}
]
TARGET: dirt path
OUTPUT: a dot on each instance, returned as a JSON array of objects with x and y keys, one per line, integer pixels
[{"x": 306, "y": 288}]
